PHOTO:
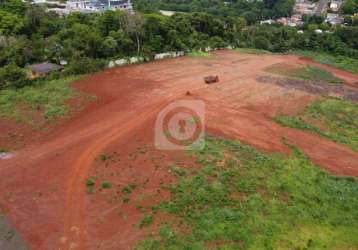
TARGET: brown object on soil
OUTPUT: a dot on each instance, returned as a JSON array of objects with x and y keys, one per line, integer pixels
[
  {"x": 188, "y": 93},
  {"x": 211, "y": 79}
]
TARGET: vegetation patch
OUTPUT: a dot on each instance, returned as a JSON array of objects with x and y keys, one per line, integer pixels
[
  {"x": 244, "y": 199},
  {"x": 332, "y": 118},
  {"x": 309, "y": 73},
  {"x": 90, "y": 183},
  {"x": 146, "y": 221},
  {"x": 253, "y": 51},
  {"x": 49, "y": 97},
  {"x": 341, "y": 62},
  {"x": 106, "y": 185},
  {"x": 198, "y": 53}
]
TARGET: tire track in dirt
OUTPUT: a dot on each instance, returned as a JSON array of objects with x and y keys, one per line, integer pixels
[{"x": 73, "y": 225}]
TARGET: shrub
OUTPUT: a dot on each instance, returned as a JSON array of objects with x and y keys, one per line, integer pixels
[
  {"x": 261, "y": 42},
  {"x": 12, "y": 76},
  {"x": 84, "y": 65},
  {"x": 106, "y": 185}
]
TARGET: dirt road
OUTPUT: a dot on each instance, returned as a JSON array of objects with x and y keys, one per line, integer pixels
[{"x": 43, "y": 187}]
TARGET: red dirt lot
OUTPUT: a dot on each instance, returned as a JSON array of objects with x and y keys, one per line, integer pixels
[{"x": 43, "y": 186}]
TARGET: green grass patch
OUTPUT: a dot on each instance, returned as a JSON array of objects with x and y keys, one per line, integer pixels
[
  {"x": 253, "y": 51},
  {"x": 198, "y": 53},
  {"x": 146, "y": 221},
  {"x": 337, "y": 120},
  {"x": 340, "y": 62},
  {"x": 309, "y": 73},
  {"x": 49, "y": 96},
  {"x": 314, "y": 74},
  {"x": 245, "y": 199}
]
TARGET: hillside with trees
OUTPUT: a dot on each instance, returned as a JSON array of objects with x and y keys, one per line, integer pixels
[{"x": 30, "y": 34}]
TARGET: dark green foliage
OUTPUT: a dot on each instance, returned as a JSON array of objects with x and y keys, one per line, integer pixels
[
  {"x": 90, "y": 183},
  {"x": 258, "y": 9},
  {"x": 350, "y": 7},
  {"x": 30, "y": 34},
  {"x": 12, "y": 76},
  {"x": 83, "y": 65},
  {"x": 106, "y": 185},
  {"x": 244, "y": 199}
]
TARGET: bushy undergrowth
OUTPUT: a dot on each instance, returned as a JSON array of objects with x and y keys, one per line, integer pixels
[
  {"x": 46, "y": 95},
  {"x": 244, "y": 199},
  {"x": 339, "y": 120}
]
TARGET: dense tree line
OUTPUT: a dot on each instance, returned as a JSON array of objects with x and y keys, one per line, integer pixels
[
  {"x": 29, "y": 34},
  {"x": 349, "y": 7},
  {"x": 252, "y": 10}
]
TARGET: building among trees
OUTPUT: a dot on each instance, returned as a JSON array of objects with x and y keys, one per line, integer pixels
[{"x": 98, "y": 5}]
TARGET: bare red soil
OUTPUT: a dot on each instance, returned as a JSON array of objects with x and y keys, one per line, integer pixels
[{"x": 43, "y": 187}]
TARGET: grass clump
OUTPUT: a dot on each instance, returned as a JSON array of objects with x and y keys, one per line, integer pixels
[
  {"x": 3, "y": 150},
  {"x": 309, "y": 73},
  {"x": 332, "y": 118},
  {"x": 340, "y": 62},
  {"x": 253, "y": 51},
  {"x": 90, "y": 183},
  {"x": 50, "y": 96},
  {"x": 314, "y": 74},
  {"x": 104, "y": 157},
  {"x": 198, "y": 53},
  {"x": 146, "y": 221},
  {"x": 106, "y": 185},
  {"x": 129, "y": 188},
  {"x": 244, "y": 199}
]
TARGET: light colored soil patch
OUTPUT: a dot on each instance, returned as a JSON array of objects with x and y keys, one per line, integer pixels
[
  {"x": 6, "y": 156},
  {"x": 9, "y": 237}
]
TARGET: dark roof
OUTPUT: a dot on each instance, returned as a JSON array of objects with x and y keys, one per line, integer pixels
[
  {"x": 44, "y": 68},
  {"x": 113, "y": 2}
]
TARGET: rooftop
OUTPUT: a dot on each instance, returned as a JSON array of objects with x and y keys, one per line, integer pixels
[{"x": 43, "y": 68}]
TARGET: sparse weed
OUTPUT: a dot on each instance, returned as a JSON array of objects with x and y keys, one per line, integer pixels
[
  {"x": 263, "y": 201},
  {"x": 198, "y": 53},
  {"x": 253, "y": 51},
  {"x": 106, "y": 185},
  {"x": 90, "y": 183},
  {"x": 104, "y": 157},
  {"x": 146, "y": 221},
  {"x": 338, "y": 117},
  {"x": 49, "y": 96}
]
